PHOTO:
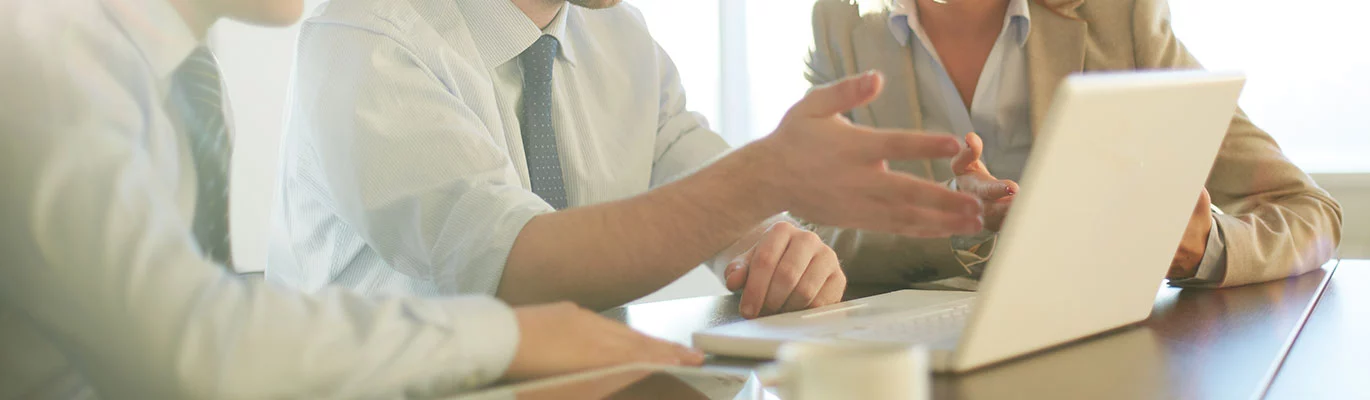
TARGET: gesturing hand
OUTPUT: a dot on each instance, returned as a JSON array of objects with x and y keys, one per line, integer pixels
[
  {"x": 789, "y": 269},
  {"x": 973, "y": 178},
  {"x": 561, "y": 338},
  {"x": 1194, "y": 244},
  {"x": 822, "y": 168}
]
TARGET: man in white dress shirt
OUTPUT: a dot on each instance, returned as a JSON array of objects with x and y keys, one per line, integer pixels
[
  {"x": 507, "y": 147},
  {"x": 111, "y": 134}
]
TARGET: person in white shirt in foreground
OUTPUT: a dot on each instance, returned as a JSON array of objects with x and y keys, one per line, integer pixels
[{"x": 109, "y": 287}]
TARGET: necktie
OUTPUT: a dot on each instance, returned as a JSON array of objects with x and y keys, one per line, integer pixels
[
  {"x": 535, "y": 122},
  {"x": 200, "y": 104}
]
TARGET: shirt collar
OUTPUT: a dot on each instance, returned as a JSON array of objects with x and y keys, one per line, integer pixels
[
  {"x": 501, "y": 31},
  {"x": 904, "y": 20},
  {"x": 156, "y": 30}
]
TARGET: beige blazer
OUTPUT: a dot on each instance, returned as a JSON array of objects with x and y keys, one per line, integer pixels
[{"x": 1278, "y": 222}]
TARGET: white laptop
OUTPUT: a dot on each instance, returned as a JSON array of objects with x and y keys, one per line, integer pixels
[{"x": 1109, "y": 188}]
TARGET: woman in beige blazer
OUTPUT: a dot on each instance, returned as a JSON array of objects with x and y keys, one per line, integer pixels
[{"x": 1270, "y": 219}]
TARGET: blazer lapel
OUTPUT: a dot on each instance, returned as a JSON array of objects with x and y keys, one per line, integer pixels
[
  {"x": 877, "y": 49},
  {"x": 897, "y": 106},
  {"x": 1055, "y": 49}
]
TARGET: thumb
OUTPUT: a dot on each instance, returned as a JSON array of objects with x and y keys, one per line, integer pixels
[
  {"x": 735, "y": 276},
  {"x": 839, "y": 96},
  {"x": 969, "y": 155},
  {"x": 1204, "y": 201},
  {"x": 985, "y": 187}
]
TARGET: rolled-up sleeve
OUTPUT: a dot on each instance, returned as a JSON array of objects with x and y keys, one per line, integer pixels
[
  {"x": 404, "y": 162},
  {"x": 684, "y": 142}
]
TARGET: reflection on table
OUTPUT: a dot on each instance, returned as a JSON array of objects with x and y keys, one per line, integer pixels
[{"x": 1196, "y": 344}]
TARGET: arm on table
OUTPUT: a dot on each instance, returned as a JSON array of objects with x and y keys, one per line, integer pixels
[{"x": 1277, "y": 222}]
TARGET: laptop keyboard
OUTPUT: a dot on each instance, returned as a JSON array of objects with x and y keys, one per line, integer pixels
[{"x": 938, "y": 327}]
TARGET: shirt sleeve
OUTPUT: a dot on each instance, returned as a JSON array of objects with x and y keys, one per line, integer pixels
[
  {"x": 972, "y": 251},
  {"x": 1213, "y": 265},
  {"x": 1278, "y": 222},
  {"x": 684, "y": 142},
  {"x": 405, "y": 162},
  {"x": 102, "y": 267}
]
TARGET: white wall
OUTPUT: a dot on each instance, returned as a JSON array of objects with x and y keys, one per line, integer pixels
[{"x": 1353, "y": 192}]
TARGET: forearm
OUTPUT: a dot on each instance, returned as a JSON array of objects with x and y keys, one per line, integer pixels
[
  {"x": 607, "y": 254},
  {"x": 1279, "y": 238}
]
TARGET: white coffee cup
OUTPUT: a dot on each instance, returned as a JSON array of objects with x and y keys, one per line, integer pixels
[{"x": 848, "y": 370}]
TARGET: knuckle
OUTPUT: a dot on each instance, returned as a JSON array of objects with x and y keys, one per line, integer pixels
[
  {"x": 765, "y": 259},
  {"x": 808, "y": 292},
  {"x": 788, "y": 277}
]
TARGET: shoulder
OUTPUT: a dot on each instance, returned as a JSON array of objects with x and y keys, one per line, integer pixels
[
  {"x": 67, "y": 62},
  {"x": 837, "y": 20},
  {"x": 394, "y": 19},
  {"x": 621, "y": 19},
  {"x": 1122, "y": 13},
  {"x": 839, "y": 9}
]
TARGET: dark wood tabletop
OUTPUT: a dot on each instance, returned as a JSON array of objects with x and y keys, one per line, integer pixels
[
  {"x": 1331, "y": 358},
  {"x": 1212, "y": 344}
]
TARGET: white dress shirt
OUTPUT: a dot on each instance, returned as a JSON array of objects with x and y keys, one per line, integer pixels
[
  {"x": 999, "y": 112},
  {"x": 103, "y": 292},
  {"x": 403, "y": 166}
]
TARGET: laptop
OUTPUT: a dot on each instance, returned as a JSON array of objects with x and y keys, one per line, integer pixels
[{"x": 1106, "y": 195}]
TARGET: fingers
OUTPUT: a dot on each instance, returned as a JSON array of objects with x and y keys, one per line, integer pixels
[
  {"x": 1204, "y": 204},
  {"x": 823, "y": 266},
  {"x": 969, "y": 155},
  {"x": 659, "y": 351},
  {"x": 887, "y": 144},
  {"x": 642, "y": 348},
  {"x": 765, "y": 255},
  {"x": 996, "y": 212},
  {"x": 985, "y": 187},
  {"x": 919, "y": 205},
  {"x": 792, "y": 269},
  {"x": 839, "y": 96},
  {"x": 736, "y": 275},
  {"x": 831, "y": 292}
]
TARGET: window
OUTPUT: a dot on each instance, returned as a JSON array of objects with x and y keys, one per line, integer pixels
[
  {"x": 1308, "y": 74},
  {"x": 1307, "y": 85}
]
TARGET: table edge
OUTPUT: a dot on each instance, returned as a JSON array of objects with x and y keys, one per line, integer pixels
[{"x": 1269, "y": 380}]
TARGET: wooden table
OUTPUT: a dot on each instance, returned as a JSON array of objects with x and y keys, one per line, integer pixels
[
  {"x": 1223, "y": 344},
  {"x": 1331, "y": 358}
]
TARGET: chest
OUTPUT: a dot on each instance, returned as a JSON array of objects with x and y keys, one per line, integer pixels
[
  {"x": 964, "y": 59},
  {"x": 604, "y": 117}
]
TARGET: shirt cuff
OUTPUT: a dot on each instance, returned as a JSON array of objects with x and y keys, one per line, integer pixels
[
  {"x": 485, "y": 336},
  {"x": 1213, "y": 266},
  {"x": 975, "y": 250}
]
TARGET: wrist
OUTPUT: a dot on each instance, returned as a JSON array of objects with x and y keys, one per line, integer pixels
[{"x": 754, "y": 172}]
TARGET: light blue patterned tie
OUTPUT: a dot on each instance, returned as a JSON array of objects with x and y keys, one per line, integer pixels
[
  {"x": 535, "y": 122},
  {"x": 200, "y": 104}
]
